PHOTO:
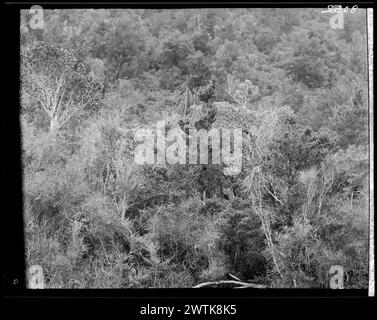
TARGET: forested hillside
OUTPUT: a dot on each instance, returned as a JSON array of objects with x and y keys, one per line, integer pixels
[{"x": 298, "y": 90}]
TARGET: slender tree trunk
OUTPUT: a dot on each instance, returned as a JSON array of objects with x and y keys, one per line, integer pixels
[{"x": 53, "y": 125}]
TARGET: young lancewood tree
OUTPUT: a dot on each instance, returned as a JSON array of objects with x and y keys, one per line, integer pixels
[
  {"x": 185, "y": 97},
  {"x": 58, "y": 81}
]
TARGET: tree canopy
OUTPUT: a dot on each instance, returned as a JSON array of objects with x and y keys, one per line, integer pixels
[{"x": 294, "y": 87}]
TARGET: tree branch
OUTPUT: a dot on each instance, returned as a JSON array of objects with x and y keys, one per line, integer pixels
[{"x": 237, "y": 283}]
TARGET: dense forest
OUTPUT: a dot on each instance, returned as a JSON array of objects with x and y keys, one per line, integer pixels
[{"x": 298, "y": 90}]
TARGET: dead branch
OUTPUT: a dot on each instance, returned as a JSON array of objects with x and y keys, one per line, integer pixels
[
  {"x": 234, "y": 277},
  {"x": 275, "y": 197},
  {"x": 237, "y": 283}
]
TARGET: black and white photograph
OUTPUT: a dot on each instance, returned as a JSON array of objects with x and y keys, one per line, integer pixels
[{"x": 196, "y": 148}]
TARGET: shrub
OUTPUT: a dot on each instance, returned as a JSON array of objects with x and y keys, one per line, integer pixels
[{"x": 242, "y": 242}]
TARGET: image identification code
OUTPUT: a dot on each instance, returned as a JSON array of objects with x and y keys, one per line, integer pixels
[{"x": 190, "y": 309}]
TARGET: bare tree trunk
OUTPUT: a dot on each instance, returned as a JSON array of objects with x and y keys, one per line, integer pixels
[{"x": 53, "y": 125}]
